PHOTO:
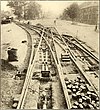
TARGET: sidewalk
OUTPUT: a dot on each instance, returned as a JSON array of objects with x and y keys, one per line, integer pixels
[
  {"x": 12, "y": 36},
  {"x": 83, "y": 32}
]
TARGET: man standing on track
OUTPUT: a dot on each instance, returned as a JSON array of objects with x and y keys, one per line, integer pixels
[{"x": 54, "y": 22}]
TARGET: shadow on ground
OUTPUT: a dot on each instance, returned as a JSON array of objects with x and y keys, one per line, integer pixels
[{"x": 5, "y": 65}]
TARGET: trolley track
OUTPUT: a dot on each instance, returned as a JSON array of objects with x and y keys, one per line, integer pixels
[
  {"x": 28, "y": 77},
  {"x": 21, "y": 103},
  {"x": 96, "y": 89},
  {"x": 51, "y": 37},
  {"x": 72, "y": 76},
  {"x": 88, "y": 64},
  {"x": 79, "y": 45}
]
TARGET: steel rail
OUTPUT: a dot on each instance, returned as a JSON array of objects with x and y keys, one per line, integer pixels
[
  {"x": 28, "y": 76},
  {"x": 85, "y": 50},
  {"x": 62, "y": 79},
  {"x": 58, "y": 65},
  {"x": 21, "y": 102},
  {"x": 74, "y": 60},
  {"x": 81, "y": 70},
  {"x": 60, "y": 72}
]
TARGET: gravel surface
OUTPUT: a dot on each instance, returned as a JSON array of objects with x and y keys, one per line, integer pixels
[
  {"x": 85, "y": 33},
  {"x": 12, "y": 36}
]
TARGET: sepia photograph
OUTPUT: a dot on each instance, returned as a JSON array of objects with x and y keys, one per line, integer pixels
[{"x": 50, "y": 54}]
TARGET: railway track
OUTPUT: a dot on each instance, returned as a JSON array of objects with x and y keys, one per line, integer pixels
[
  {"x": 79, "y": 44},
  {"x": 58, "y": 64},
  {"x": 83, "y": 74}
]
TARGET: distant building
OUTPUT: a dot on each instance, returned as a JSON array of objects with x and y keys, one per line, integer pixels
[{"x": 89, "y": 13}]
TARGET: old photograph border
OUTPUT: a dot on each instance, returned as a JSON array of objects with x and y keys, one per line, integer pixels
[{"x": 52, "y": 1}]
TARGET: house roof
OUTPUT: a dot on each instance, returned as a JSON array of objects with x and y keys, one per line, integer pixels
[{"x": 89, "y": 4}]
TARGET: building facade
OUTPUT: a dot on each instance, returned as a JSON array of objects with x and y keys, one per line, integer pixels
[{"x": 89, "y": 13}]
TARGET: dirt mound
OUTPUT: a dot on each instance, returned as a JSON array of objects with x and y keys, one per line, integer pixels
[{"x": 5, "y": 65}]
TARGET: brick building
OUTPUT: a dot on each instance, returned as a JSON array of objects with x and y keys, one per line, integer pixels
[{"x": 89, "y": 13}]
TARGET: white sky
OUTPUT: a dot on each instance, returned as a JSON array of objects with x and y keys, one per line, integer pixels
[
  {"x": 3, "y": 6},
  {"x": 54, "y": 7}
]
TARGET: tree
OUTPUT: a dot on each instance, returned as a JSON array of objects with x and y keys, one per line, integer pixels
[
  {"x": 27, "y": 10},
  {"x": 64, "y": 15},
  {"x": 73, "y": 11},
  {"x": 33, "y": 10},
  {"x": 5, "y": 14},
  {"x": 17, "y": 6}
]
